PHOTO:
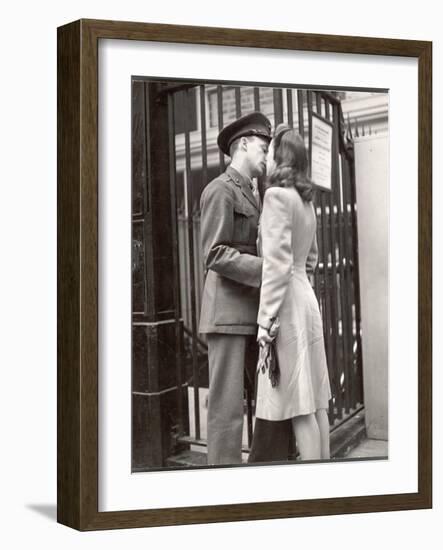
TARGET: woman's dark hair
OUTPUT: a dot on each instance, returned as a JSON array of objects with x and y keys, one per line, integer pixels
[{"x": 291, "y": 160}]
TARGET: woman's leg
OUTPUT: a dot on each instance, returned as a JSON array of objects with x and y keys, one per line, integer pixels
[
  {"x": 307, "y": 434},
  {"x": 321, "y": 416}
]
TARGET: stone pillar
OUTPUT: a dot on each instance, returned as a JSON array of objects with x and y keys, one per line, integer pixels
[
  {"x": 372, "y": 189},
  {"x": 156, "y": 334}
]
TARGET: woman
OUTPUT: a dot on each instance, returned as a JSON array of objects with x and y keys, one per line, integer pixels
[{"x": 287, "y": 238}]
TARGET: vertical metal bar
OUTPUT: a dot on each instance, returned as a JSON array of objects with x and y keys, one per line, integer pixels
[
  {"x": 301, "y": 124},
  {"x": 176, "y": 272},
  {"x": 278, "y": 106},
  {"x": 300, "y": 113},
  {"x": 348, "y": 236},
  {"x": 290, "y": 107},
  {"x": 203, "y": 135},
  {"x": 185, "y": 261},
  {"x": 237, "y": 102},
  {"x": 204, "y": 182},
  {"x": 333, "y": 291},
  {"x": 198, "y": 261},
  {"x": 327, "y": 318},
  {"x": 341, "y": 254},
  {"x": 195, "y": 371},
  {"x": 256, "y": 99},
  {"x": 334, "y": 286},
  {"x": 318, "y": 102},
  {"x": 352, "y": 274},
  {"x": 197, "y": 289},
  {"x": 220, "y": 123},
  {"x": 351, "y": 286},
  {"x": 356, "y": 276}
]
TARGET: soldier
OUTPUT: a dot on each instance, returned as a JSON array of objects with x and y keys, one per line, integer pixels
[{"x": 229, "y": 220}]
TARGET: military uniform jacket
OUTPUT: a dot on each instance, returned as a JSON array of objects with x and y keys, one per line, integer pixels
[{"x": 229, "y": 223}]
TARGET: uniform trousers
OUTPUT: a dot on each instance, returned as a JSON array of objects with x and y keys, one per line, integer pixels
[
  {"x": 226, "y": 355},
  {"x": 273, "y": 441}
]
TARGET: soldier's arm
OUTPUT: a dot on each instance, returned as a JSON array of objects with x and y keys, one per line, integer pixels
[{"x": 217, "y": 232}]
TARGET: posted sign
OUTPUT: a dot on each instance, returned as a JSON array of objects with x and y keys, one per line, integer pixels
[{"x": 321, "y": 152}]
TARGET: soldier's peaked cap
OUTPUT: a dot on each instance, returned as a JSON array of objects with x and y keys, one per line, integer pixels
[{"x": 253, "y": 124}]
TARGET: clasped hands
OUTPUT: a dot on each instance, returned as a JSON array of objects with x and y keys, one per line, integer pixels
[{"x": 263, "y": 336}]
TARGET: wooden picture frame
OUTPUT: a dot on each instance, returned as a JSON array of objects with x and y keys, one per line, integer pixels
[{"x": 77, "y": 454}]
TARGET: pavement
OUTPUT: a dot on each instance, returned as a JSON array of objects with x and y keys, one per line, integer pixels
[{"x": 369, "y": 448}]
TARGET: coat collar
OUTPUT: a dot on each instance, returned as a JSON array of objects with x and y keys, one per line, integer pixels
[{"x": 244, "y": 184}]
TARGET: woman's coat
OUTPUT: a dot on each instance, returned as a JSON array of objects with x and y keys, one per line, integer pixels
[{"x": 289, "y": 249}]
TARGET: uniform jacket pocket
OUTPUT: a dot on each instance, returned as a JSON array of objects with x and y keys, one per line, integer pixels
[
  {"x": 237, "y": 304},
  {"x": 245, "y": 223}
]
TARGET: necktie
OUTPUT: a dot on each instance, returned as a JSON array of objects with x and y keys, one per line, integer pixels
[{"x": 254, "y": 188}]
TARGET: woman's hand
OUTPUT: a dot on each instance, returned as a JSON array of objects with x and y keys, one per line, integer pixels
[{"x": 263, "y": 337}]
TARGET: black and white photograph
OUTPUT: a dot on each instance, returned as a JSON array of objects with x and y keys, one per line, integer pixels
[{"x": 260, "y": 274}]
